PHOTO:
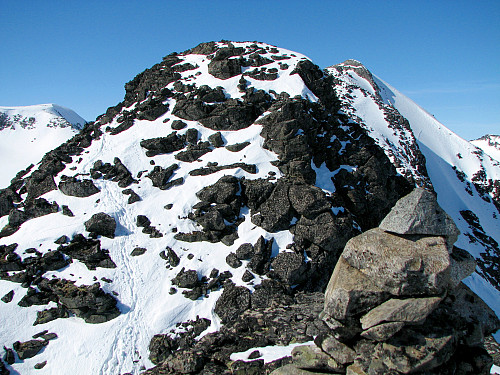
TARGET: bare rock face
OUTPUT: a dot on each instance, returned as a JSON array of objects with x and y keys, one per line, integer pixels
[{"x": 395, "y": 303}]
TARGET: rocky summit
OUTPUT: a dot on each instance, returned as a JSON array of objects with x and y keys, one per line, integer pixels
[{"x": 242, "y": 211}]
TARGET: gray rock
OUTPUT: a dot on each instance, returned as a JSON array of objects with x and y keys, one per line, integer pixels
[
  {"x": 472, "y": 308},
  {"x": 462, "y": 265},
  {"x": 411, "y": 310},
  {"x": 329, "y": 232},
  {"x": 276, "y": 212},
  {"x": 418, "y": 353},
  {"x": 212, "y": 220},
  {"x": 401, "y": 266},
  {"x": 186, "y": 279},
  {"x": 351, "y": 292},
  {"x": 163, "y": 145},
  {"x": 339, "y": 351},
  {"x": 383, "y": 332},
  {"x": 294, "y": 370},
  {"x": 419, "y": 213},
  {"x": 138, "y": 251},
  {"x": 237, "y": 146},
  {"x": 233, "y": 261},
  {"x": 311, "y": 357},
  {"x": 244, "y": 251},
  {"x": 101, "y": 224}
]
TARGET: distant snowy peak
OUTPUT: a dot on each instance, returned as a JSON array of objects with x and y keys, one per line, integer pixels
[
  {"x": 490, "y": 144},
  {"x": 27, "y": 133},
  {"x": 41, "y": 115}
]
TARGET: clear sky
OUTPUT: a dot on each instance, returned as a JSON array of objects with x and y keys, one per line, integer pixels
[{"x": 445, "y": 55}]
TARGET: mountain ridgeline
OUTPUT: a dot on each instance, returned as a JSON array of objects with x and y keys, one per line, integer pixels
[{"x": 203, "y": 216}]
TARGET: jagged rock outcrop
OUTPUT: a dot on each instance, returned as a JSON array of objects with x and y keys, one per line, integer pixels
[{"x": 394, "y": 304}]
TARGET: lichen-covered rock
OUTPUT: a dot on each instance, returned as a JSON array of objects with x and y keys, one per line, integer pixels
[
  {"x": 78, "y": 188},
  {"x": 401, "y": 266},
  {"x": 290, "y": 267},
  {"x": 233, "y": 301}
]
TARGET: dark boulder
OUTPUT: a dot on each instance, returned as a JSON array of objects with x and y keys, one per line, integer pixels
[
  {"x": 224, "y": 69},
  {"x": 78, "y": 188},
  {"x": 138, "y": 251},
  {"x": 142, "y": 221},
  {"x": 6, "y": 202},
  {"x": 163, "y": 145},
  {"x": 66, "y": 211},
  {"x": 172, "y": 257},
  {"x": 276, "y": 212},
  {"x": 256, "y": 192},
  {"x": 88, "y": 251},
  {"x": 233, "y": 301},
  {"x": 290, "y": 267},
  {"x": 223, "y": 191},
  {"x": 237, "y": 146},
  {"x": 88, "y": 302},
  {"x": 29, "y": 348},
  {"x": 308, "y": 201},
  {"x": 51, "y": 314},
  {"x": 260, "y": 261},
  {"x": 215, "y": 140},
  {"x": 101, "y": 224},
  {"x": 159, "y": 176},
  {"x": 186, "y": 279},
  {"x": 193, "y": 152},
  {"x": 233, "y": 261},
  {"x": 8, "y": 297},
  {"x": 211, "y": 220},
  {"x": 192, "y": 136},
  {"x": 178, "y": 125}
]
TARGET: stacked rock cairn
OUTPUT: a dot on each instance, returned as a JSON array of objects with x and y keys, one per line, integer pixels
[{"x": 395, "y": 303}]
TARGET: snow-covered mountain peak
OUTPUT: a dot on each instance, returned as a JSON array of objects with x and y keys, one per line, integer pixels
[
  {"x": 490, "y": 144},
  {"x": 41, "y": 115}
]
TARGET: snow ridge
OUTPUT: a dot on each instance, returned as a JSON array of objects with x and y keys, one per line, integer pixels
[{"x": 466, "y": 179}]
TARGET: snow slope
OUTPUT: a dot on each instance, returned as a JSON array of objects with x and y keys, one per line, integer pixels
[
  {"x": 490, "y": 144},
  {"x": 458, "y": 170},
  {"x": 142, "y": 284},
  {"x": 27, "y": 133}
]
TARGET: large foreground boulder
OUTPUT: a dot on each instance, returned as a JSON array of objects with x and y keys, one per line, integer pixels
[{"x": 395, "y": 303}]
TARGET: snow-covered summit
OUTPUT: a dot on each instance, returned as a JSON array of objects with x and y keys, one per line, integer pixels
[
  {"x": 490, "y": 144},
  {"x": 28, "y": 132},
  {"x": 204, "y": 212}
]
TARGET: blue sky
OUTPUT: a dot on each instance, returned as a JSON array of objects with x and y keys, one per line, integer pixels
[{"x": 443, "y": 54}]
